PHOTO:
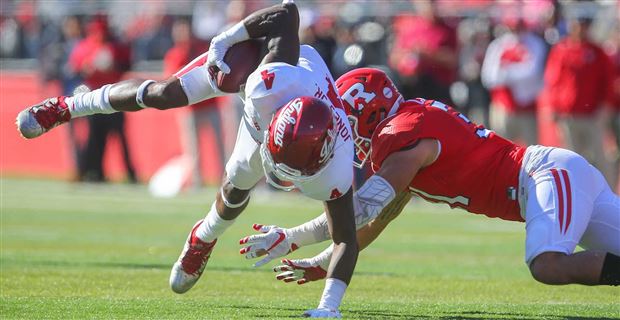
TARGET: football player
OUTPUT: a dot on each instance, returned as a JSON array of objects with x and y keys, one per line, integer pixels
[
  {"x": 311, "y": 151},
  {"x": 426, "y": 148}
]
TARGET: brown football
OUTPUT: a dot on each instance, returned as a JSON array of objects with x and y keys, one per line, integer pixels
[{"x": 242, "y": 58}]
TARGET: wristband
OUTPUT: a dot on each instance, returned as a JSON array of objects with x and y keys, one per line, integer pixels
[
  {"x": 332, "y": 294},
  {"x": 236, "y": 33},
  {"x": 311, "y": 232}
]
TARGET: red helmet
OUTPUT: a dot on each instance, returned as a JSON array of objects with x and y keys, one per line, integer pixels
[
  {"x": 368, "y": 95},
  {"x": 300, "y": 141}
]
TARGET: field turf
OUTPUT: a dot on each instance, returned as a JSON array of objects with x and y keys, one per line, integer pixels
[{"x": 73, "y": 251}]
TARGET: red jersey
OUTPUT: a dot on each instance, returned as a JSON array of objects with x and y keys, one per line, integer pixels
[
  {"x": 416, "y": 32},
  {"x": 578, "y": 78},
  {"x": 476, "y": 169},
  {"x": 103, "y": 61}
]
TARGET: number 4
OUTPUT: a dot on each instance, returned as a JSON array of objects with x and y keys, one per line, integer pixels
[{"x": 268, "y": 78}]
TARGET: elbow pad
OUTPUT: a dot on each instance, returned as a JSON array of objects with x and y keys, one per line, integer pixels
[{"x": 370, "y": 199}]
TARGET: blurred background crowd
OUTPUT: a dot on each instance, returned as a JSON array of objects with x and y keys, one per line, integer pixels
[{"x": 535, "y": 71}]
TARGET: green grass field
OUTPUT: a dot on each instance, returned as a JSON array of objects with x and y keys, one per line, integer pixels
[{"x": 72, "y": 251}]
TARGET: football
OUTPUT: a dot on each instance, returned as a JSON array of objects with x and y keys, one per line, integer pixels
[{"x": 242, "y": 58}]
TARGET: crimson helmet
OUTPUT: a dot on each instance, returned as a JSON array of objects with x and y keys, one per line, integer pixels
[
  {"x": 368, "y": 95},
  {"x": 300, "y": 141}
]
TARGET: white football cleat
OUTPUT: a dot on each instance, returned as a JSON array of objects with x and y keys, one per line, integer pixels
[
  {"x": 192, "y": 261},
  {"x": 322, "y": 313},
  {"x": 41, "y": 118}
]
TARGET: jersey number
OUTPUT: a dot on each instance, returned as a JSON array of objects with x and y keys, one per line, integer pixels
[
  {"x": 268, "y": 78},
  {"x": 458, "y": 201}
]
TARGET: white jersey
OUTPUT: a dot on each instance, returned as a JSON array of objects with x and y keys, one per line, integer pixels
[
  {"x": 267, "y": 89},
  {"x": 271, "y": 86}
]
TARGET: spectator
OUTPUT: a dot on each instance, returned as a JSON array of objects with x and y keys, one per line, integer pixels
[
  {"x": 578, "y": 80},
  {"x": 100, "y": 59},
  {"x": 424, "y": 53},
  {"x": 198, "y": 115},
  {"x": 513, "y": 71}
]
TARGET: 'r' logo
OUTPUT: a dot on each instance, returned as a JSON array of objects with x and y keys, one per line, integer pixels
[
  {"x": 357, "y": 98},
  {"x": 268, "y": 78}
]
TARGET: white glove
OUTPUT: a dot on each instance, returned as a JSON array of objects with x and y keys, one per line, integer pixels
[
  {"x": 221, "y": 43},
  {"x": 322, "y": 313},
  {"x": 273, "y": 242},
  {"x": 304, "y": 270}
]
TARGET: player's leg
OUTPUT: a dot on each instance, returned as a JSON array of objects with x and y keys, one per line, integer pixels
[
  {"x": 559, "y": 209},
  {"x": 599, "y": 264},
  {"x": 603, "y": 232},
  {"x": 190, "y": 85},
  {"x": 243, "y": 171}
]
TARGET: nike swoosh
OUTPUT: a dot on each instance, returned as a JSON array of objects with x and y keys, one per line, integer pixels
[{"x": 281, "y": 237}]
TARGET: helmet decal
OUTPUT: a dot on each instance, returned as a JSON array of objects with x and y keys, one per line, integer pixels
[
  {"x": 286, "y": 118},
  {"x": 357, "y": 97},
  {"x": 327, "y": 151}
]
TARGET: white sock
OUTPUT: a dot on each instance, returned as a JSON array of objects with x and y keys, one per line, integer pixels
[
  {"x": 213, "y": 226},
  {"x": 85, "y": 104}
]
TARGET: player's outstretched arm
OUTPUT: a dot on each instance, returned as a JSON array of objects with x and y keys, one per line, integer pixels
[
  {"x": 279, "y": 26},
  {"x": 341, "y": 224},
  {"x": 368, "y": 233},
  {"x": 311, "y": 269},
  {"x": 274, "y": 242}
]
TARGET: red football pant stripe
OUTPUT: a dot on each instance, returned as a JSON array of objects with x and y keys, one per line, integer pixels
[
  {"x": 568, "y": 199},
  {"x": 558, "y": 184},
  {"x": 199, "y": 61}
]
